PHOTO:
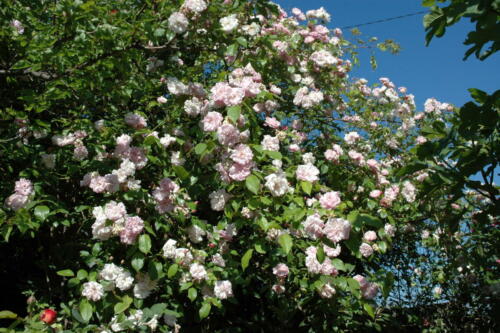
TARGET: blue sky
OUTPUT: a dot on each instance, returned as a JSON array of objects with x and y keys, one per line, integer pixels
[{"x": 434, "y": 71}]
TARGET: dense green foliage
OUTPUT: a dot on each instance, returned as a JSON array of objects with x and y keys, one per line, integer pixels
[{"x": 309, "y": 202}]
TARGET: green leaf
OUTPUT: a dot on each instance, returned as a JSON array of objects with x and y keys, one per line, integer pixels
[
  {"x": 21, "y": 64},
  {"x": 286, "y": 242},
  {"x": 274, "y": 154},
  {"x": 85, "y": 310},
  {"x": 253, "y": 184},
  {"x": 382, "y": 246},
  {"x": 200, "y": 148},
  {"x": 137, "y": 262},
  {"x": 306, "y": 187},
  {"x": 242, "y": 41},
  {"x": 172, "y": 270},
  {"x": 338, "y": 264},
  {"x": 259, "y": 249},
  {"x": 234, "y": 112},
  {"x": 65, "y": 272},
  {"x": 81, "y": 274},
  {"x": 159, "y": 308},
  {"x": 358, "y": 220},
  {"x": 150, "y": 140},
  {"x": 180, "y": 172},
  {"x": 159, "y": 32},
  {"x": 232, "y": 50},
  {"x": 353, "y": 286},
  {"x": 123, "y": 305},
  {"x": 246, "y": 259},
  {"x": 6, "y": 314},
  {"x": 320, "y": 254},
  {"x": 369, "y": 309},
  {"x": 41, "y": 212},
  {"x": 144, "y": 243},
  {"x": 205, "y": 310},
  {"x": 185, "y": 286},
  {"x": 192, "y": 294},
  {"x": 155, "y": 270},
  {"x": 478, "y": 95}
]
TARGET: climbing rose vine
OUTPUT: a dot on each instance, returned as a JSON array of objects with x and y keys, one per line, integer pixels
[{"x": 205, "y": 164}]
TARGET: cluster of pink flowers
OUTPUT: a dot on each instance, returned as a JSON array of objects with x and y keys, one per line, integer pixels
[
  {"x": 315, "y": 33},
  {"x": 80, "y": 152},
  {"x": 16, "y": 24},
  {"x": 243, "y": 82},
  {"x": 390, "y": 194},
  {"x": 307, "y": 98},
  {"x": 281, "y": 271},
  {"x": 335, "y": 229},
  {"x": 23, "y": 190},
  {"x": 135, "y": 121},
  {"x": 368, "y": 289},
  {"x": 101, "y": 184},
  {"x": 123, "y": 150},
  {"x": 113, "y": 220},
  {"x": 133, "y": 158},
  {"x": 315, "y": 267},
  {"x": 333, "y": 155},
  {"x": 164, "y": 195},
  {"x": 323, "y": 58},
  {"x": 223, "y": 289},
  {"x": 351, "y": 138},
  {"x": 432, "y": 105}
]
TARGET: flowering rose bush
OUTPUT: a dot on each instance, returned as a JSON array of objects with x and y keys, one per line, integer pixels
[{"x": 202, "y": 165}]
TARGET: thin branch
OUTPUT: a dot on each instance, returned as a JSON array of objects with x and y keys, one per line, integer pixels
[{"x": 43, "y": 75}]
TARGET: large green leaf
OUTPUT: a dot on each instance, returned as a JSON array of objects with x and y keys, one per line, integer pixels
[
  {"x": 144, "y": 243},
  {"x": 204, "y": 310},
  {"x": 41, "y": 212},
  {"x": 246, "y": 259},
  {"x": 253, "y": 184},
  {"x": 85, "y": 310},
  {"x": 286, "y": 242}
]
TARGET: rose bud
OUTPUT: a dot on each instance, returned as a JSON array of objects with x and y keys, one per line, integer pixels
[{"x": 48, "y": 316}]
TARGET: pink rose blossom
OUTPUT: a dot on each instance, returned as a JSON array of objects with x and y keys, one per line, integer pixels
[
  {"x": 16, "y": 201},
  {"x": 370, "y": 236},
  {"x": 278, "y": 288},
  {"x": 212, "y": 121},
  {"x": 23, "y": 187},
  {"x": 307, "y": 172},
  {"x": 366, "y": 250},
  {"x": 136, "y": 121},
  {"x": 272, "y": 122},
  {"x": 242, "y": 154},
  {"x": 330, "y": 200},
  {"x": 133, "y": 227},
  {"x": 313, "y": 226},
  {"x": 281, "y": 271},
  {"x": 240, "y": 172},
  {"x": 228, "y": 135},
  {"x": 337, "y": 229}
]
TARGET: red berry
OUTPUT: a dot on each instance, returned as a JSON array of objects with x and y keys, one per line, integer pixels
[{"x": 48, "y": 316}]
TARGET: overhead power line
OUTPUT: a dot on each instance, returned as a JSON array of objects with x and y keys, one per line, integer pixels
[{"x": 384, "y": 20}]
